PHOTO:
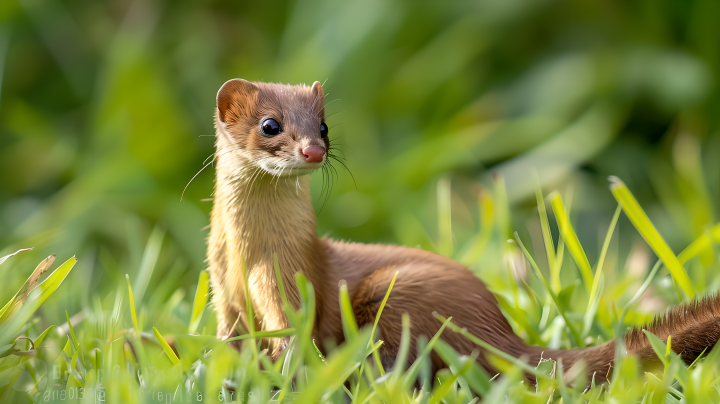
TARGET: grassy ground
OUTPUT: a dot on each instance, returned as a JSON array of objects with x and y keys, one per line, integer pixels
[
  {"x": 164, "y": 350},
  {"x": 444, "y": 110}
]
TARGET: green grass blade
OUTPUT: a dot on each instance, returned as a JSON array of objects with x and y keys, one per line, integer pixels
[
  {"x": 349, "y": 324},
  {"x": 166, "y": 347},
  {"x": 595, "y": 294},
  {"x": 593, "y": 307},
  {"x": 75, "y": 342},
  {"x": 149, "y": 259},
  {"x": 14, "y": 304},
  {"x": 520, "y": 317},
  {"x": 281, "y": 284},
  {"x": 445, "y": 242},
  {"x": 44, "y": 334},
  {"x": 700, "y": 244},
  {"x": 491, "y": 349},
  {"x": 441, "y": 390},
  {"x": 547, "y": 240},
  {"x": 661, "y": 350},
  {"x": 414, "y": 369},
  {"x": 250, "y": 312},
  {"x": 40, "y": 292},
  {"x": 132, "y": 307},
  {"x": 285, "y": 332},
  {"x": 560, "y": 307},
  {"x": 401, "y": 358},
  {"x": 201, "y": 297},
  {"x": 376, "y": 355},
  {"x": 487, "y": 223},
  {"x": 619, "y": 325},
  {"x": 477, "y": 379},
  {"x": 648, "y": 231},
  {"x": 571, "y": 240},
  {"x": 341, "y": 363},
  {"x": 382, "y": 306}
]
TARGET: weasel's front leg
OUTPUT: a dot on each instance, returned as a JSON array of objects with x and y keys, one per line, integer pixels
[
  {"x": 272, "y": 321},
  {"x": 228, "y": 317}
]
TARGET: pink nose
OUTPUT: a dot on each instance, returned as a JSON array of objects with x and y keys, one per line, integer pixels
[{"x": 314, "y": 154}]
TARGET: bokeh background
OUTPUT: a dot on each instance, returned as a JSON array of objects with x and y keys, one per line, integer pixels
[{"x": 106, "y": 114}]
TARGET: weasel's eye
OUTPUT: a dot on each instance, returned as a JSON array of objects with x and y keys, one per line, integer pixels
[
  {"x": 270, "y": 127},
  {"x": 323, "y": 130}
]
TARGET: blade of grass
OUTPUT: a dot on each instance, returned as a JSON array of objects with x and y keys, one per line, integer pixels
[
  {"x": 42, "y": 292},
  {"x": 648, "y": 231},
  {"x": 75, "y": 342},
  {"x": 445, "y": 242},
  {"x": 487, "y": 219},
  {"x": 442, "y": 390},
  {"x": 619, "y": 327},
  {"x": 401, "y": 358},
  {"x": 19, "y": 298},
  {"x": 349, "y": 324},
  {"x": 594, "y": 299},
  {"x": 201, "y": 297},
  {"x": 414, "y": 370},
  {"x": 250, "y": 313},
  {"x": 342, "y": 363},
  {"x": 376, "y": 355},
  {"x": 285, "y": 332},
  {"x": 700, "y": 244},
  {"x": 166, "y": 347},
  {"x": 491, "y": 349},
  {"x": 132, "y": 307},
  {"x": 571, "y": 240},
  {"x": 3, "y": 259},
  {"x": 547, "y": 238},
  {"x": 281, "y": 284},
  {"x": 149, "y": 259},
  {"x": 478, "y": 379},
  {"x": 553, "y": 296}
]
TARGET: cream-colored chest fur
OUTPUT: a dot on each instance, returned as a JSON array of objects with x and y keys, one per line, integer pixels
[{"x": 256, "y": 216}]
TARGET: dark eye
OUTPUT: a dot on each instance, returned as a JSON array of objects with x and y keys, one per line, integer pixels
[
  {"x": 270, "y": 127},
  {"x": 323, "y": 130}
]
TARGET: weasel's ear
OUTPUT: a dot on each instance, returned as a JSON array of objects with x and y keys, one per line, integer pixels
[
  {"x": 319, "y": 95},
  {"x": 235, "y": 99},
  {"x": 317, "y": 89}
]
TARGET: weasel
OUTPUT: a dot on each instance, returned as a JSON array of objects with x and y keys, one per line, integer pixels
[{"x": 269, "y": 137}]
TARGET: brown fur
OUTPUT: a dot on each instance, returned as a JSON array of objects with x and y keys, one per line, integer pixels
[{"x": 259, "y": 212}]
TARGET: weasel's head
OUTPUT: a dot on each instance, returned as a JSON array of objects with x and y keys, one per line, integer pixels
[{"x": 279, "y": 128}]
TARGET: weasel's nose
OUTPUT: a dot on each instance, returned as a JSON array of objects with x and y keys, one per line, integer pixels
[{"x": 313, "y": 154}]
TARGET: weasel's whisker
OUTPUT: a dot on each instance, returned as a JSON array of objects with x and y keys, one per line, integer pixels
[
  {"x": 201, "y": 170},
  {"x": 348, "y": 170},
  {"x": 336, "y": 112},
  {"x": 330, "y": 102},
  {"x": 191, "y": 179},
  {"x": 324, "y": 184},
  {"x": 331, "y": 182},
  {"x": 205, "y": 161},
  {"x": 333, "y": 155},
  {"x": 279, "y": 175},
  {"x": 258, "y": 172}
]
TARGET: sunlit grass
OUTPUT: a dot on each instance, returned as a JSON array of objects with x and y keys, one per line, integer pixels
[{"x": 111, "y": 356}]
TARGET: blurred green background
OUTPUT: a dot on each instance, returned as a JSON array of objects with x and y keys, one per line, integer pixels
[{"x": 106, "y": 114}]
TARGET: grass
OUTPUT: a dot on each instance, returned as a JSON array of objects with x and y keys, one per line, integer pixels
[{"x": 108, "y": 352}]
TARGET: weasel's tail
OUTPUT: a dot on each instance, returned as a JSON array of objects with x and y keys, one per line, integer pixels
[{"x": 694, "y": 328}]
